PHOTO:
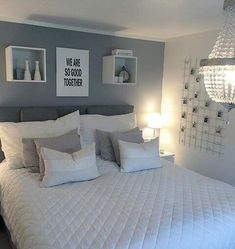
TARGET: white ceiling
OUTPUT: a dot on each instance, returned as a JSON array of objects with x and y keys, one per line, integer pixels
[{"x": 149, "y": 19}]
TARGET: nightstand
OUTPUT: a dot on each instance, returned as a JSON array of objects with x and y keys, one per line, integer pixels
[{"x": 169, "y": 156}]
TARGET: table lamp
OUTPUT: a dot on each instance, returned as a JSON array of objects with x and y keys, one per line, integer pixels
[{"x": 154, "y": 121}]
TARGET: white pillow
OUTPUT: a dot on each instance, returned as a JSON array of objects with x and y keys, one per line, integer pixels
[
  {"x": 62, "y": 167},
  {"x": 135, "y": 157},
  {"x": 90, "y": 123},
  {"x": 11, "y": 134}
]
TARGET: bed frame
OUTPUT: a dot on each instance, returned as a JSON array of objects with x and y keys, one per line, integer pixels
[{"x": 27, "y": 114}]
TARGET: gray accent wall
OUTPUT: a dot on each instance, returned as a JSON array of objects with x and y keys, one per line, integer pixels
[{"x": 146, "y": 95}]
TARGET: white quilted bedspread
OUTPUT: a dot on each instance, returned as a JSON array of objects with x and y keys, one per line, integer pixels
[{"x": 167, "y": 208}]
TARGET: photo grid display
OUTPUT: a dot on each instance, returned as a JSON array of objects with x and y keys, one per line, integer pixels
[{"x": 202, "y": 121}]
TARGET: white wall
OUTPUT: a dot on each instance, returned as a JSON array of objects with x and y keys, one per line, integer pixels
[{"x": 206, "y": 163}]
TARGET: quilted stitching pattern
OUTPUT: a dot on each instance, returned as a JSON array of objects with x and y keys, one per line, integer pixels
[{"x": 167, "y": 208}]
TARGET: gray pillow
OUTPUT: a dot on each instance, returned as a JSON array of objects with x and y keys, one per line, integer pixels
[
  {"x": 103, "y": 142},
  {"x": 30, "y": 156},
  {"x": 99, "y": 135},
  {"x": 132, "y": 137},
  {"x": 103, "y": 139},
  {"x": 69, "y": 143}
]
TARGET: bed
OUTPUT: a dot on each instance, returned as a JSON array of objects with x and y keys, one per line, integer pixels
[{"x": 163, "y": 208}]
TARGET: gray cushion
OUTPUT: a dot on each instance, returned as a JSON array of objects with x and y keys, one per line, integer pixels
[
  {"x": 69, "y": 143},
  {"x": 105, "y": 146},
  {"x": 30, "y": 156},
  {"x": 131, "y": 136}
]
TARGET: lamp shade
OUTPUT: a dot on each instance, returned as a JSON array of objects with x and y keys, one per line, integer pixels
[{"x": 155, "y": 120}]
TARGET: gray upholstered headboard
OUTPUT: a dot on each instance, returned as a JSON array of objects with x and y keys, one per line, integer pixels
[{"x": 25, "y": 114}]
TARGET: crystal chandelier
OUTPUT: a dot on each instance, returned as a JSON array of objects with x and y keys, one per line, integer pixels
[{"x": 219, "y": 69}]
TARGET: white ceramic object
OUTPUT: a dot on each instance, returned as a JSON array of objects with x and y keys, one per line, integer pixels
[
  {"x": 116, "y": 79},
  {"x": 27, "y": 75},
  {"x": 37, "y": 75},
  {"x": 120, "y": 79}
]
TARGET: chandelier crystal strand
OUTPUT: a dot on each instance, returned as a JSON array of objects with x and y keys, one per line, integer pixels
[
  {"x": 219, "y": 69},
  {"x": 224, "y": 46}
]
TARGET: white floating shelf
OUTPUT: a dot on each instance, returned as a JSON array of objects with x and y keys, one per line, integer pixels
[
  {"x": 15, "y": 63},
  {"x": 112, "y": 65}
]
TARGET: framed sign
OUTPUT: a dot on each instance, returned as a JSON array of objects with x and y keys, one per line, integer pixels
[{"x": 72, "y": 72}]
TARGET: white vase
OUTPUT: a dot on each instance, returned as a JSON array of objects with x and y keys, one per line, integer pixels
[
  {"x": 27, "y": 75},
  {"x": 37, "y": 75}
]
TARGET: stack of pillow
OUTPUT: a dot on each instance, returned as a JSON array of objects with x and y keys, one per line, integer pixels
[{"x": 64, "y": 150}]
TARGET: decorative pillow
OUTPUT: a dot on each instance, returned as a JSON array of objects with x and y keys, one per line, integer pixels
[
  {"x": 30, "y": 155},
  {"x": 11, "y": 134},
  {"x": 103, "y": 138},
  {"x": 103, "y": 142},
  {"x": 91, "y": 123},
  {"x": 63, "y": 168},
  {"x": 68, "y": 143},
  {"x": 135, "y": 157},
  {"x": 131, "y": 136}
]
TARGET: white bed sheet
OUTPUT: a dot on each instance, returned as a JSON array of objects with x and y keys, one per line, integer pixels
[{"x": 167, "y": 208}]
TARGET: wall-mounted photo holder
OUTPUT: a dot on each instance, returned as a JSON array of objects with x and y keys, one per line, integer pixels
[
  {"x": 218, "y": 130},
  {"x": 196, "y": 95},
  {"x": 207, "y": 103},
  {"x": 198, "y": 79},
  {"x": 219, "y": 114},
  {"x": 195, "y": 109},
  {"x": 192, "y": 71},
  {"x": 206, "y": 119},
  {"x": 185, "y": 101},
  {"x": 183, "y": 115},
  {"x": 202, "y": 121},
  {"x": 194, "y": 125}
]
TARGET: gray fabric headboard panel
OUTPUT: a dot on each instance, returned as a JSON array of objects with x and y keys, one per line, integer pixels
[
  {"x": 9, "y": 114},
  {"x": 25, "y": 114},
  {"x": 38, "y": 114},
  {"x": 110, "y": 110}
]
